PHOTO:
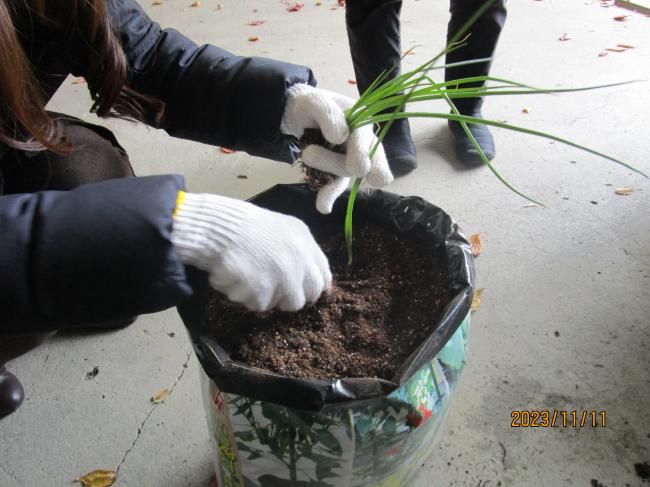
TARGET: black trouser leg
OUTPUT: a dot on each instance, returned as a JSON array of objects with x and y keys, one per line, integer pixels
[
  {"x": 374, "y": 34},
  {"x": 97, "y": 157},
  {"x": 481, "y": 42}
]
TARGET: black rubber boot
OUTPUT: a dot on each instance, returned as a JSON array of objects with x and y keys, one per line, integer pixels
[
  {"x": 12, "y": 393},
  {"x": 374, "y": 35},
  {"x": 481, "y": 43},
  {"x": 11, "y": 390},
  {"x": 400, "y": 149},
  {"x": 464, "y": 149}
]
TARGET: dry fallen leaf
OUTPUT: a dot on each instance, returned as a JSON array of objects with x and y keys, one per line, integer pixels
[
  {"x": 621, "y": 18},
  {"x": 564, "y": 37},
  {"x": 196, "y": 4},
  {"x": 225, "y": 150},
  {"x": 219, "y": 6},
  {"x": 79, "y": 81},
  {"x": 477, "y": 244},
  {"x": 624, "y": 190},
  {"x": 525, "y": 110},
  {"x": 616, "y": 49},
  {"x": 625, "y": 46},
  {"x": 602, "y": 53},
  {"x": 255, "y": 23},
  {"x": 295, "y": 7},
  {"x": 160, "y": 396},
  {"x": 318, "y": 4},
  {"x": 352, "y": 81},
  {"x": 98, "y": 478},
  {"x": 157, "y": 2},
  {"x": 476, "y": 299},
  {"x": 253, "y": 38}
]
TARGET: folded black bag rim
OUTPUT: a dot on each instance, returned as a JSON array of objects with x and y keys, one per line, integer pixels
[{"x": 409, "y": 216}]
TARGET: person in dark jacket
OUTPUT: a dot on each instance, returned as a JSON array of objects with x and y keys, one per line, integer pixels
[
  {"x": 86, "y": 244},
  {"x": 374, "y": 33}
]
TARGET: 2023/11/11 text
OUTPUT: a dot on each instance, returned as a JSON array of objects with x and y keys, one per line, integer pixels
[{"x": 556, "y": 418}]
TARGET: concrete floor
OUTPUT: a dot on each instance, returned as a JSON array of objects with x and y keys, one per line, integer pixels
[{"x": 565, "y": 317}]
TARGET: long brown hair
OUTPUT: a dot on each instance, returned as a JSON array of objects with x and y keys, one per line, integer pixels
[{"x": 24, "y": 123}]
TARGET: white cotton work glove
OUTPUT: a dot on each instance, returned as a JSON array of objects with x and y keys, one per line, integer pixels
[
  {"x": 256, "y": 257},
  {"x": 311, "y": 108}
]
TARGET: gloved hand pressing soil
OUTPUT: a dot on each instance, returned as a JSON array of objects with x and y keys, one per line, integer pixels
[
  {"x": 256, "y": 257},
  {"x": 312, "y": 108}
]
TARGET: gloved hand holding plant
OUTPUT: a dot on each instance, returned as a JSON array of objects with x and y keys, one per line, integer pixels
[
  {"x": 312, "y": 108},
  {"x": 385, "y": 101}
]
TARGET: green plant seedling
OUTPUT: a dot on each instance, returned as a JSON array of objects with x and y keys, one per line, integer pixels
[{"x": 383, "y": 102}]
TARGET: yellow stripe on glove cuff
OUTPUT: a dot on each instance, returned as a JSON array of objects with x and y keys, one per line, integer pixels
[{"x": 179, "y": 202}]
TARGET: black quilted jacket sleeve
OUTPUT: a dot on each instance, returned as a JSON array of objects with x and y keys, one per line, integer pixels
[
  {"x": 98, "y": 253},
  {"x": 211, "y": 95}
]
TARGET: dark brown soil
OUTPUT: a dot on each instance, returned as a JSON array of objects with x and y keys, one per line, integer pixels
[
  {"x": 642, "y": 470},
  {"x": 376, "y": 315}
]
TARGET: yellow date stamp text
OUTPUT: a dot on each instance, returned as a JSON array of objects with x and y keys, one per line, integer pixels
[{"x": 558, "y": 419}]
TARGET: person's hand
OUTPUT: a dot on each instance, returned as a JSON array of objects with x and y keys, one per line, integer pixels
[
  {"x": 256, "y": 257},
  {"x": 309, "y": 107}
]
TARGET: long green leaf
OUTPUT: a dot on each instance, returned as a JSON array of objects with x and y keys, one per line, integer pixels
[
  {"x": 430, "y": 93},
  {"x": 493, "y": 123},
  {"x": 348, "y": 217},
  {"x": 482, "y": 155},
  {"x": 362, "y": 99},
  {"x": 458, "y": 64}
]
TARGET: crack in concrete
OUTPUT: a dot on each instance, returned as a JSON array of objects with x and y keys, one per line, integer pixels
[
  {"x": 126, "y": 454},
  {"x": 598, "y": 109},
  {"x": 503, "y": 455},
  {"x": 151, "y": 410}
]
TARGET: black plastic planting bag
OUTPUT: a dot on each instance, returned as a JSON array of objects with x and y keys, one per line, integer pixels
[{"x": 274, "y": 430}]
